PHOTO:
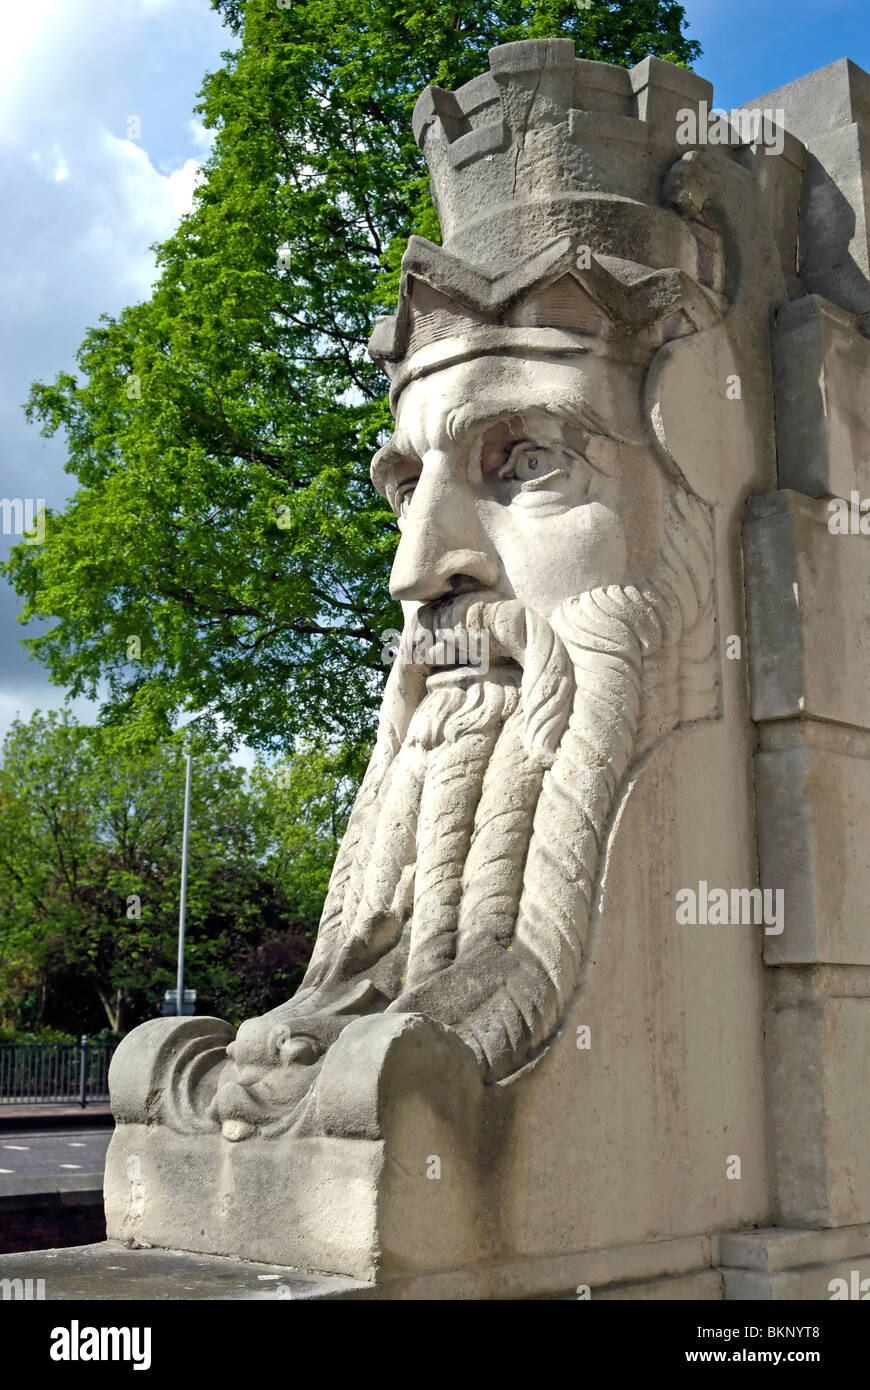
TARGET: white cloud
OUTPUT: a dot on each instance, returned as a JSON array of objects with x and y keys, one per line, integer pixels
[
  {"x": 181, "y": 185},
  {"x": 23, "y": 28},
  {"x": 27, "y": 699},
  {"x": 50, "y": 163},
  {"x": 201, "y": 137},
  {"x": 147, "y": 203},
  {"x": 81, "y": 205}
]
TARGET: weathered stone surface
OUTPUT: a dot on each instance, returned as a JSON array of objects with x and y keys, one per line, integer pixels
[
  {"x": 781, "y": 1264},
  {"x": 818, "y": 1054},
  {"x": 822, "y": 367},
  {"x": 813, "y": 788},
  {"x": 111, "y": 1271},
  {"x": 808, "y": 614},
  {"x": 828, "y": 99},
  {"x": 779, "y": 1248},
  {"x": 829, "y": 111},
  {"x": 328, "y": 1195}
]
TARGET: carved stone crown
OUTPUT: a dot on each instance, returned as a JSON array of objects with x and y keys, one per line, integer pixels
[{"x": 547, "y": 175}]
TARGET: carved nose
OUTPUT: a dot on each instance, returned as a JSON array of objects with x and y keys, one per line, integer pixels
[
  {"x": 443, "y": 550},
  {"x": 451, "y": 573},
  {"x": 256, "y": 1042}
]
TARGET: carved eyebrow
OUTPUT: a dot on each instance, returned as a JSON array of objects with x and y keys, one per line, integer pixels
[
  {"x": 471, "y": 416},
  {"x": 386, "y": 460},
  {"x": 474, "y": 415},
  {"x": 393, "y": 456}
]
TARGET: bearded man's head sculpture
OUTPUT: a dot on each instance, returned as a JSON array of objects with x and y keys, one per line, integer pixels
[
  {"x": 620, "y": 342},
  {"x": 539, "y": 507}
]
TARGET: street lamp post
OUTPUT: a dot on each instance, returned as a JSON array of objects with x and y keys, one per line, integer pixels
[{"x": 179, "y": 993}]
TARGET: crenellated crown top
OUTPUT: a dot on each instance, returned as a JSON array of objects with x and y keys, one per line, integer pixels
[
  {"x": 563, "y": 226},
  {"x": 543, "y": 124}
]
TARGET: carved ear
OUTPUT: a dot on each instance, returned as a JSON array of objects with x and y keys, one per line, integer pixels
[
  {"x": 685, "y": 397},
  {"x": 689, "y": 414}
]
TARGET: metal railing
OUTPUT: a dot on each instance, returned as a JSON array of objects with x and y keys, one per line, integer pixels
[{"x": 55, "y": 1073}]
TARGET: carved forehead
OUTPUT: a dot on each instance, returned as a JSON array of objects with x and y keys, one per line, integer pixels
[{"x": 436, "y": 410}]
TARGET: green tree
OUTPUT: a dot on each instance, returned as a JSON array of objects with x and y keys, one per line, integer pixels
[
  {"x": 221, "y": 432},
  {"x": 304, "y": 805},
  {"x": 90, "y": 836}
]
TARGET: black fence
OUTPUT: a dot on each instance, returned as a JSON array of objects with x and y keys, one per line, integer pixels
[{"x": 55, "y": 1073}]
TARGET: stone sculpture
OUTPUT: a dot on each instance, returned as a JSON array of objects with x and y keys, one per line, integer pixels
[{"x": 508, "y": 1060}]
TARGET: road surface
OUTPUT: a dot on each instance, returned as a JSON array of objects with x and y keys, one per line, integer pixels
[{"x": 61, "y": 1154}]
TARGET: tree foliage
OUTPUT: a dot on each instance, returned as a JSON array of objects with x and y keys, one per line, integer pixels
[
  {"x": 220, "y": 433},
  {"x": 90, "y": 840}
]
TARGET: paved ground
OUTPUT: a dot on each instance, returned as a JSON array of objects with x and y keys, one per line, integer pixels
[
  {"x": 29, "y": 1160},
  {"x": 110, "y": 1271}
]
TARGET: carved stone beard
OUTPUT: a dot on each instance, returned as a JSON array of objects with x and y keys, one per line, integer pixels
[{"x": 464, "y": 885}]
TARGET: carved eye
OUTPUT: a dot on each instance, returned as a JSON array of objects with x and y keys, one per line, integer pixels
[
  {"x": 528, "y": 461},
  {"x": 526, "y": 466},
  {"x": 402, "y": 497}
]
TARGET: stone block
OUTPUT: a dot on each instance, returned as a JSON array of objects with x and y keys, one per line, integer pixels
[
  {"x": 807, "y": 611},
  {"x": 780, "y": 1264},
  {"x": 818, "y": 1059},
  {"x": 778, "y": 1248},
  {"x": 829, "y": 110},
  {"x": 813, "y": 788},
  {"x": 831, "y": 97},
  {"x": 821, "y": 376}
]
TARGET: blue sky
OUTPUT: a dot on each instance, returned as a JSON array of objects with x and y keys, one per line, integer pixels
[
  {"x": 81, "y": 202},
  {"x": 754, "y": 46},
  {"x": 81, "y": 205}
]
